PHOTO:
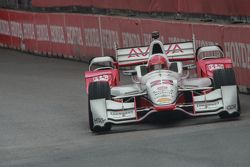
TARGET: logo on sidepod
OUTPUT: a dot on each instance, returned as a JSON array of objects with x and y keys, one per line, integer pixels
[
  {"x": 101, "y": 78},
  {"x": 212, "y": 67}
]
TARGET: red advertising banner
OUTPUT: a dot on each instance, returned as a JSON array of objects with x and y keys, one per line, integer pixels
[
  {"x": 91, "y": 36},
  {"x": 74, "y": 36},
  {"x": 111, "y": 34},
  {"x": 41, "y": 21},
  {"x": 237, "y": 47},
  {"x": 58, "y": 35},
  {"x": 5, "y": 32},
  {"x": 16, "y": 29},
  {"x": 86, "y": 36},
  {"x": 208, "y": 34},
  {"x": 28, "y": 42}
]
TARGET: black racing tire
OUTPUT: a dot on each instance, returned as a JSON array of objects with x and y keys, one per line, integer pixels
[
  {"x": 226, "y": 77},
  {"x": 223, "y": 77},
  {"x": 98, "y": 90}
]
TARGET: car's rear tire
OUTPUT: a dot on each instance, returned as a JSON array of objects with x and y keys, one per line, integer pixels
[
  {"x": 226, "y": 77},
  {"x": 98, "y": 90}
]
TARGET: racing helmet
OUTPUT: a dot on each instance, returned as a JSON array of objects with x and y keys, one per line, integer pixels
[{"x": 157, "y": 62}]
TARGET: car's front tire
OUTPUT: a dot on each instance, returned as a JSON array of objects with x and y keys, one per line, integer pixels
[
  {"x": 98, "y": 90},
  {"x": 226, "y": 77}
]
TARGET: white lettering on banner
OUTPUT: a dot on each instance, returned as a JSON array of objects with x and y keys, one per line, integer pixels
[
  {"x": 198, "y": 43},
  {"x": 42, "y": 32},
  {"x": 57, "y": 34},
  {"x": 147, "y": 39},
  {"x": 74, "y": 35},
  {"x": 92, "y": 38},
  {"x": 109, "y": 38},
  {"x": 4, "y": 27},
  {"x": 28, "y": 31},
  {"x": 16, "y": 29},
  {"x": 239, "y": 53},
  {"x": 175, "y": 39},
  {"x": 130, "y": 39}
]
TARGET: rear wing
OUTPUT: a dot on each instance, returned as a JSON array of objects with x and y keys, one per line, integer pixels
[{"x": 180, "y": 51}]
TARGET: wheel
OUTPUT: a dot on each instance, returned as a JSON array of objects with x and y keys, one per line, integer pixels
[
  {"x": 226, "y": 77},
  {"x": 98, "y": 90}
]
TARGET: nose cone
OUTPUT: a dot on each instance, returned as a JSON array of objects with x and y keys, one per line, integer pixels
[{"x": 162, "y": 92}]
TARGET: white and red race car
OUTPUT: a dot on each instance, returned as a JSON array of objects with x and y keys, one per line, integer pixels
[{"x": 160, "y": 83}]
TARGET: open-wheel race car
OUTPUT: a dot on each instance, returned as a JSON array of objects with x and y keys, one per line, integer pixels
[{"x": 161, "y": 82}]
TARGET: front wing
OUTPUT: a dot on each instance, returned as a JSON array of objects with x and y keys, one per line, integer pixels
[{"x": 212, "y": 103}]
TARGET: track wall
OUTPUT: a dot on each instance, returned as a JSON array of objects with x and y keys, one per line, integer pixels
[{"x": 82, "y": 37}]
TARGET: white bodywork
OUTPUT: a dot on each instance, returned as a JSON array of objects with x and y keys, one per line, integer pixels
[
  {"x": 215, "y": 102},
  {"x": 161, "y": 86}
]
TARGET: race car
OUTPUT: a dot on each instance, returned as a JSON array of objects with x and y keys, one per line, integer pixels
[{"x": 161, "y": 82}]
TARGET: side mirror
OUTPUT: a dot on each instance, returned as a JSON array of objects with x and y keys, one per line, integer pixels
[{"x": 129, "y": 72}]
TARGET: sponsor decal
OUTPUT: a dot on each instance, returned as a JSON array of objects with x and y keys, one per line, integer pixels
[
  {"x": 208, "y": 105},
  {"x": 122, "y": 114},
  {"x": 173, "y": 48},
  {"x": 101, "y": 78},
  {"x": 137, "y": 52},
  {"x": 99, "y": 121},
  {"x": 232, "y": 107},
  {"x": 163, "y": 91},
  {"x": 164, "y": 100},
  {"x": 212, "y": 67}
]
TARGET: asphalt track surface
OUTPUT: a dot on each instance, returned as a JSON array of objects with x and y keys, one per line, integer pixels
[{"x": 43, "y": 123}]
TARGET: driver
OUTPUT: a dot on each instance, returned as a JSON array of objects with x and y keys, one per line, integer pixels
[{"x": 157, "y": 62}]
